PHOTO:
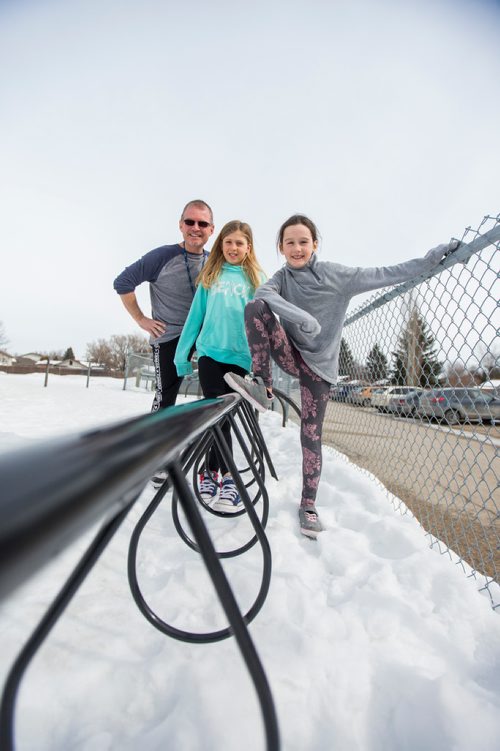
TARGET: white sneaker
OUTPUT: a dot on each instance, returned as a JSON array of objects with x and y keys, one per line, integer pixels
[
  {"x": 208, "y": 485},
  {"x": 229, "y": 500}
]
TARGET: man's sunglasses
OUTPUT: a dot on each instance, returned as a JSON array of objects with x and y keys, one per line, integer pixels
[{"x": 192, "y": 222}]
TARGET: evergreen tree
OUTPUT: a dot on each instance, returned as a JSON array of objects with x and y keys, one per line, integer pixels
[
  {"x": 376, "y": 364},
  {"x": 415, "y": 362},
  {"x": 346, "y": 360},
  {"x": 398, "y": 372},
  {"x": 69, "y": 354}
]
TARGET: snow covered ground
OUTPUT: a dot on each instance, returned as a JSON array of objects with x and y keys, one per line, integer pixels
[{"x": 371, "y": 641}]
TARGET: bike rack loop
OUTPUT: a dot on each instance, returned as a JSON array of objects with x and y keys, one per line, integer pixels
[
  {"x": 258, "y": 527},
  {"x": 76, "y": 481},
  {"x": 256, "y": 466}
]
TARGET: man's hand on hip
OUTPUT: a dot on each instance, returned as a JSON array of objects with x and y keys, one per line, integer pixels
[{"x": 154, "y": 328}]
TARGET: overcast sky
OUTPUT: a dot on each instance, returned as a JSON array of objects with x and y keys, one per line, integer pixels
[{"x": 378, "y": 119}]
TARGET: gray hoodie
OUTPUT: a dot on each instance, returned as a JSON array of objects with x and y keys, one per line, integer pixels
[{"x": 312, "y": 301}]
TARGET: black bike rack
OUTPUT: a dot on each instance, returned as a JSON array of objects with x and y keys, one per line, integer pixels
[
  {"x": 197, "y": 452},
  {"x": 97, "y": 476}
]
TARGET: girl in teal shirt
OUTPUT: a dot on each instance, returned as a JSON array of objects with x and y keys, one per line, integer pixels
[{"x": 215, "y": 326}]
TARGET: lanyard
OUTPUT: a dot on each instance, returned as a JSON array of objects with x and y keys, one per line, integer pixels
[{"x": 184, "y": 253}]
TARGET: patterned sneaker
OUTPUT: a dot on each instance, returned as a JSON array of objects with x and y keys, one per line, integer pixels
[
  {"x": 208, "y": 485},
  {"x": 310, "y": 524},
  {"x": 229, "y": 500},
  {"x": 251, "y": 389},
  {"x": 159, "y": 478}
]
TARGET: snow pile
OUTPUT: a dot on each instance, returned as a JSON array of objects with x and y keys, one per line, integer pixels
[{"x": 371, "y": 641}]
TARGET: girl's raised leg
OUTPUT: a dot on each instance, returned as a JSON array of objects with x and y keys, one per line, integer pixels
[{"x": 267, "y": 338}]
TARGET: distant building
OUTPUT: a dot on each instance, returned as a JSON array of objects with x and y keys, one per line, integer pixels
[
  {"x": 6, "y": 359},
  {"x": 492, "y": 385},
  {"x": 33, "y": 356},
  {"x": 43, "y": 363},
  {"x": 71, "y": 363}
]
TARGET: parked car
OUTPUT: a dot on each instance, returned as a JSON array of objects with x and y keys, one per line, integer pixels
[
  {"x": 378, "y": 395},
  {"x": 381, "y": 398},
  {"x": 454, "y": 405},
  {"x": 353, "y": 394},
  {"x": 363, "y": 395},
  {"x": 342, "y": 392},
  {"x": 405, "y": 404}
]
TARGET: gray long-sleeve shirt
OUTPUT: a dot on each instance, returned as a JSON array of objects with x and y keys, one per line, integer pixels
[
  {"x": 171, "y": 273},
  {"x": 312, "y": 301}
]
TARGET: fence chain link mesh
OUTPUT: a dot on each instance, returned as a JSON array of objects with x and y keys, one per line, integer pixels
[
  {"x": 140, "y": 367},
  {"x": 140, "y": 371},
  {"x": 418, "y": 400}
]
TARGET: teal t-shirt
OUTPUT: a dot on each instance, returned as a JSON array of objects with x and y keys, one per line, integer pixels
[{"x": 215, "y": 323}]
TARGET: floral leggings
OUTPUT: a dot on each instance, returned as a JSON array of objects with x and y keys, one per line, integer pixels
[{"x": 267, "y": 338}]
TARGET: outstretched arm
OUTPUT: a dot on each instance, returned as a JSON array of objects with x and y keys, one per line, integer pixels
[{"x": 363, "y": 280}]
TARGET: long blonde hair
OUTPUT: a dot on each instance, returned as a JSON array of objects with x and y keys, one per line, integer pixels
[{"x": 213, "y": 267}]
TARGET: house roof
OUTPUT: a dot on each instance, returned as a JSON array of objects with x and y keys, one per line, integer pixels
[
  {"x": 493, "y": 383},
  {"x": 71, "y": 362},
  {"x": 35, "y": 356}
]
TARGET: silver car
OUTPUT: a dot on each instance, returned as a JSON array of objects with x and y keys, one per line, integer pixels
[
  {"x": 454, "y": 405},
  {"x": 405, "y": 404}
]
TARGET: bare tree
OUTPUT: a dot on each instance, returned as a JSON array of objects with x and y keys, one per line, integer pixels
[
  {"x": 119, "y": 348},
  {"x": 139, "y": 344},
  {"x": 489, "y": 366},
  {"x": 112, "y": 353},
  {"x": 457, "y": 374},
  {"x": 3, "y": 336},
  {"x": 99, "y": 352},
  {"x": 54, "y": 354}
]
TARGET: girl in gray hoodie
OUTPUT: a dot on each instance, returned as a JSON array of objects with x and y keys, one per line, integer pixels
[{"x": 311, "y": 299}]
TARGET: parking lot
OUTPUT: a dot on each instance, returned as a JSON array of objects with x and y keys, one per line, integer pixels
[{"x": 449, "y": 478}]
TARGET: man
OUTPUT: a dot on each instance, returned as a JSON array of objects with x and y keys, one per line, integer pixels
[{"x": 171, "y": 271}]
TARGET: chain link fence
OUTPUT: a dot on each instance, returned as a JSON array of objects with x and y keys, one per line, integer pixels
[
  {"x": 418, "y": 401},
  {"x": 140, "y": 372}
]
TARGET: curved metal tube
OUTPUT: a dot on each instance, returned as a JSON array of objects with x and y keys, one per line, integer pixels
[
  {"x": 146, "y": 610},
  {"x": 282, "y": 397},
  {"x": 46, "y": 624}
]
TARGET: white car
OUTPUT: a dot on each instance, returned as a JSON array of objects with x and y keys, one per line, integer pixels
[{"x": 381, "y": 400}]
